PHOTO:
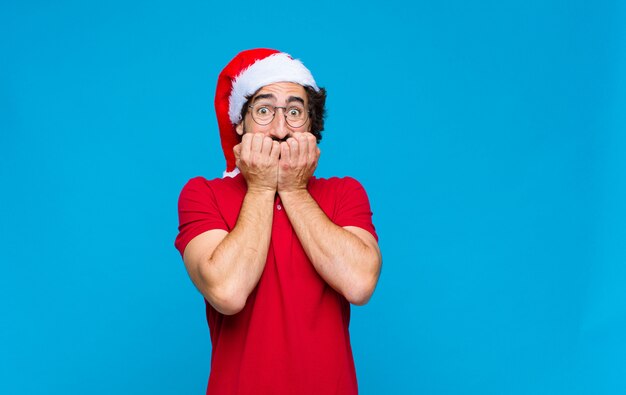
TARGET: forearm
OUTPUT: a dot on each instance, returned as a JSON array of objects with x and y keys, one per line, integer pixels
[
  {"x": 236, "y": 265},
  {"x": 342, "y": 259}
]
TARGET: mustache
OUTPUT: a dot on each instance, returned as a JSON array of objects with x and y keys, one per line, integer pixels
[{"x": 280, "y": 140}]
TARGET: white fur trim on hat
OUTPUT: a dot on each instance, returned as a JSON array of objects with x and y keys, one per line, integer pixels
[
  {"x": 230, "y": 174},
  {"x": 278, "y": 67}
]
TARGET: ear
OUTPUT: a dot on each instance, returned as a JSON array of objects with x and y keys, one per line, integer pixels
[{"x": 239, "y": 128}]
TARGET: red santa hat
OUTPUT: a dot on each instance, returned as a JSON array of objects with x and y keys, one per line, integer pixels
[{"x": 248, "y": 72}]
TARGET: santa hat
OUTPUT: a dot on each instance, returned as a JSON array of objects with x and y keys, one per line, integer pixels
[{"x": 248, "y": 72}]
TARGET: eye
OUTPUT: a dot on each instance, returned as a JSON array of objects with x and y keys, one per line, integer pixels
[
  {"x": 263, "y": 110},
  {"x": 295, "y": 112}
]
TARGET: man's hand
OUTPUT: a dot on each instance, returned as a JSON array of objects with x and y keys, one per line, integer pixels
[
  {"x": 257, "y": 159},
  {"x": 298, "y": 160}
]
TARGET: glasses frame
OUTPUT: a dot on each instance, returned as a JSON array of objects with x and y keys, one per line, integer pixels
[{"x": 307, "y": 112}]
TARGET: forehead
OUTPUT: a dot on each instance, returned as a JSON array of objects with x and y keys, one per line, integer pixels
[{"x": 283, "y": 90}]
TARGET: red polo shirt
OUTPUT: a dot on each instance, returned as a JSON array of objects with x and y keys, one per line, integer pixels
[{"x": 292, "y": 335}]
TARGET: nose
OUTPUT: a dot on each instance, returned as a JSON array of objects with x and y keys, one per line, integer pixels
[{"x": 279, "y": 129}]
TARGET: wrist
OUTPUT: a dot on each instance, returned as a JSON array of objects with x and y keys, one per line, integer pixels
[
  {"x": 293, "y": 194},
  {"x": 261, "y": 192}
]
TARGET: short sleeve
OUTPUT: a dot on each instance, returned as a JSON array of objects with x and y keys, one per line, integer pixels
[
  {"x": 353, "y": 207},
  {"x": 197, "y": 212}
]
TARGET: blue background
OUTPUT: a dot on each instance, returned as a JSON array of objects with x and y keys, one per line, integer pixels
[{"x": 489, "y": 135}]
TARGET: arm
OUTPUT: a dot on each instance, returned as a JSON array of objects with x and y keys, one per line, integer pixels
[
  {"x": 348, "y": 258},
  {"x": 225, "y": 267}
]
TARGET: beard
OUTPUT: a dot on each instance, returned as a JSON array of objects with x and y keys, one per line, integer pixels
[{"x": 280, "y": 140}]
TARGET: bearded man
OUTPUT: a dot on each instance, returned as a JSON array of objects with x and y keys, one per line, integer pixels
[{"x": 278, "y": 254}]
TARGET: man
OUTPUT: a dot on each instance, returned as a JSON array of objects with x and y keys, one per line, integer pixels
[{"x": 277, "y": 253}]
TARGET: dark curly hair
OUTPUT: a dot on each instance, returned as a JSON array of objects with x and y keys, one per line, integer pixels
[{"x": 317, "y": 110}]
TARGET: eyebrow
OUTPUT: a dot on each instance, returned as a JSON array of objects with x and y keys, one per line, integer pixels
[
  {"x": 295, "y": 98},
  {"x": 263, "y": 96},
  {"x": 290, "y": 99}
]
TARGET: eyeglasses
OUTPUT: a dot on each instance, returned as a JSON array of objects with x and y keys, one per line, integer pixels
[{"x": 295, "y": 114}]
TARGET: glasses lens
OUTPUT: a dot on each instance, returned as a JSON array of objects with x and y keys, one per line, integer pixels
[
  {"x": 262, "y": 114},
  {"x": 296, "y": 115}
]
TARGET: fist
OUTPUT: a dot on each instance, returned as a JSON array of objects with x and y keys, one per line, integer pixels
[
  {"x": 298, "y": 160},
  {"x": 257, "y": 159}
]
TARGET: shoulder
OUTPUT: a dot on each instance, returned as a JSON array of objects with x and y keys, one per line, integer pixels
[
  {"x": 333, "y": 192},
  {"x": 344, "y": 201},
  {"x": 202, "y": 186},
  {"x": 334, "y": 182},
  {"x": 196, "y": 183},
  {"x": 202, "y": 182},
  {"x": 334, "y": 185}
]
